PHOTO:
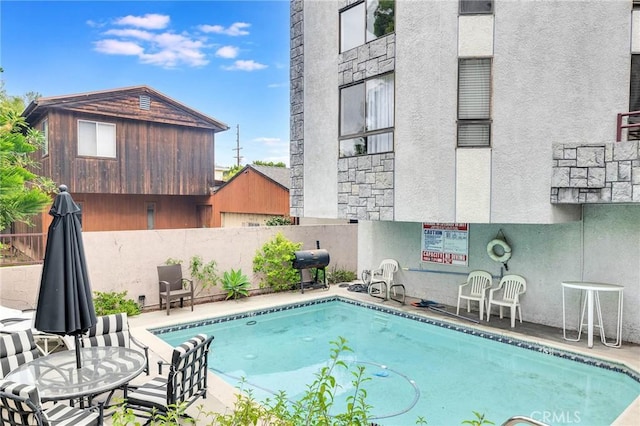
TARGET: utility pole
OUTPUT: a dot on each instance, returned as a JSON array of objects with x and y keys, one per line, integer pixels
[{"x": 237, "y": 149}]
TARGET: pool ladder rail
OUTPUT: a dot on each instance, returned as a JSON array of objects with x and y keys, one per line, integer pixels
[{"x": 522, "y": 420}]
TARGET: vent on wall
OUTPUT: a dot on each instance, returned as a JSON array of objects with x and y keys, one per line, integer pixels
[{"x": 145, "y": 102}]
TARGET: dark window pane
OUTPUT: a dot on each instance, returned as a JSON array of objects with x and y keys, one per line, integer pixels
[
  {"x": 352, "y": 110},
  {"x": 634, "y": 90},
  {"x": 476, "y": 6},
  {"x": 474, "y": 134}
]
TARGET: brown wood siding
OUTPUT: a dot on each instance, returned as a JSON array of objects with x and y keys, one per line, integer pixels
[
  {"x": 127, "y": 105},
  {"x": 151, "y": 158},
  {"x": 250, "y": 192},
  {"x": 129, "y": 212}
]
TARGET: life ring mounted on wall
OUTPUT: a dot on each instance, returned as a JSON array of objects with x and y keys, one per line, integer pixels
[{"x": 503, "y": 254}]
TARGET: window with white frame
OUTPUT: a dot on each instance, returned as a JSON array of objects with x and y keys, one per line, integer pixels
[
  {"x": 474, "y": 102},
  {"x": 96, "y": 139},
  {"x": 367, "y": 117},
  {"x": 366, "y": 21},
  {"x": 471, "y": 7},
  {"x": 45, "y": 137}
]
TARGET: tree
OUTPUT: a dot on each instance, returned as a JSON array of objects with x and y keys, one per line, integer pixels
[
  {"x": 23, "y": 193},
  {"x": 384, "y": 18},
  {"x": 233, "y": 170},
  {"x": 269, "y": 163}
]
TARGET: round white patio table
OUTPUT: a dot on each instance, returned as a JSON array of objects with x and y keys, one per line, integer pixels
[
  {"x": 592, "y": 290},
  {"x": 57, "y": 377}
]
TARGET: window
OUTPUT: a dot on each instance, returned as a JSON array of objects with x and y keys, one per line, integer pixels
[
  {"x": 96, "y": 139},
  {"x": 469, "y": 7},
  {"x": 474, "y": 102},
  {"x": 366, "y": 21},
  {"x": 367, "y": 117},
  {"x": 151, "y": 215},
  {"x": 45, "y": 136},
  {"x": 634, "y": 89}
]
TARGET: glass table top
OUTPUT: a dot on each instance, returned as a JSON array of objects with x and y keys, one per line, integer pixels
[{"x": 102, "y": 369}]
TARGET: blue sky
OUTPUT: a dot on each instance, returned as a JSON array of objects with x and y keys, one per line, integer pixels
[{"x": 226, "y": 59}]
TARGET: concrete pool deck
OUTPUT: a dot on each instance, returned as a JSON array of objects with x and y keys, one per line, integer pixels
[{"x": 221, "y": 395}]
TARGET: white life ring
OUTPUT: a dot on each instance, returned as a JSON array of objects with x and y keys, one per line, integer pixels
[{"x": 506, "y": 255}]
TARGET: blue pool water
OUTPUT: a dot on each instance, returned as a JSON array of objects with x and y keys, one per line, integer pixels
[{"x": 418, "y": 366}]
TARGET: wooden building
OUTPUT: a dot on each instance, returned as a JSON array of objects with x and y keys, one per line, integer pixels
[
  {"x": 252, "y": 196},
  {"x": 132, "y": 157}
]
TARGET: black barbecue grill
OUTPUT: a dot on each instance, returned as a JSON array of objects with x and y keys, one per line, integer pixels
[{"x": 312, "y": 259}]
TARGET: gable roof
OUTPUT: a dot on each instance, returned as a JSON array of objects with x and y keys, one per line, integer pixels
[
  {"x": 279, "y": 175},
  {"x": 89, "y": 100}
]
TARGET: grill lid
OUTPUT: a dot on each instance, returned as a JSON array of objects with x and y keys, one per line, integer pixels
[{"x": 306, "y": 259}]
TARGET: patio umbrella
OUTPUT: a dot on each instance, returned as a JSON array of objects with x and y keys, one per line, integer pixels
[{"x": 65, "y": 303}]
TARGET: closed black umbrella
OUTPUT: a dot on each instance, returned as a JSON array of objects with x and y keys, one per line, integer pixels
[{"x": 65, "y": 303}]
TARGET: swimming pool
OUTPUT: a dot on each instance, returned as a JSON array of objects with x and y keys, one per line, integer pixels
[{"x": 419, "y": 366}]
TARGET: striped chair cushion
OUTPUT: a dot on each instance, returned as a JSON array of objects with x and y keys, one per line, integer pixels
[
  {"x": 110, "y": 330},
  {"x": 16, "y": 349},
  {"x": 16, "y": 412},
  {"x": 20, "y": 405},
  {"x": 152, "y": 394}
]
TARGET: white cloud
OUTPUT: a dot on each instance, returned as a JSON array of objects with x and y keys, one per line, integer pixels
[
  {"x": 228, "y": 52},
  {"x": 241, "y": 65},
  {"x": 236, "y": 29},
  {"x": 276, "y": 85},
  {"x": 117, "y": 47},
  {"x": 131, "y": 33},
  {"x": 151, "y": 21}
]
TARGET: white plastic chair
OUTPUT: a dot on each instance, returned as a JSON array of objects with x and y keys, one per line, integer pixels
[
  {"x": 512, "y": 287},
  {"x": 475, "y": 289},
  {"x": 382, "y": 278}
]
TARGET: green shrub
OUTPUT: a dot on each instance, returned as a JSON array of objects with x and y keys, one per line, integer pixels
[
  {"x": 273, "y": 264},
  {"x": 279, "y": 221},
  {"x": 235, "y": 283},
  {"x": 107, "y": 303},
  {"x": 204, "y": 275},
  {"x": 336, "y": 275}
]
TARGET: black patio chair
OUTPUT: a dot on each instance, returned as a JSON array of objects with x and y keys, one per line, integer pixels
[
  {"x": 185, "y": 383},
  {"x": 20, "y": 405}
]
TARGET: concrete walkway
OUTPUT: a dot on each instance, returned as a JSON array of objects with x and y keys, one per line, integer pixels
[{"x": 221, "y": 394}]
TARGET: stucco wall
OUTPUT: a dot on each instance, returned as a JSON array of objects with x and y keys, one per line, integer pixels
[
  {"x": 127, "y": 260},
  {"x": 559, "y": 75},
  {"x": 321, "y": 114},
  {"x": 604, "y": 247}
]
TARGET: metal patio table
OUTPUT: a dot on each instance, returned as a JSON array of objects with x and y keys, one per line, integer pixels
[{"x": 57, "y": 377}]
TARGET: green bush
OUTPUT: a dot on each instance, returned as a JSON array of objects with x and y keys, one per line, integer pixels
[
  {"x": 204, "y": 275},
  {"x": 107, "y": 303},
  {"x": 235, "y": 283},
  {"x": 336, "y": 275},
  {"x": 278, "y": 221},
  {"x": 273, "y": 264}
]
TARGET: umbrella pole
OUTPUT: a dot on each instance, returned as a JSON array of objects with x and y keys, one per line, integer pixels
[{"x": 78, "y": 363}]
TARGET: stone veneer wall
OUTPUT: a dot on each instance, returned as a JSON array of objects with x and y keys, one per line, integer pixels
[
  {"x": 366, "y": 183},
  {"x": 596, "y": 173},
  {"x": 296, "y": 77}
]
